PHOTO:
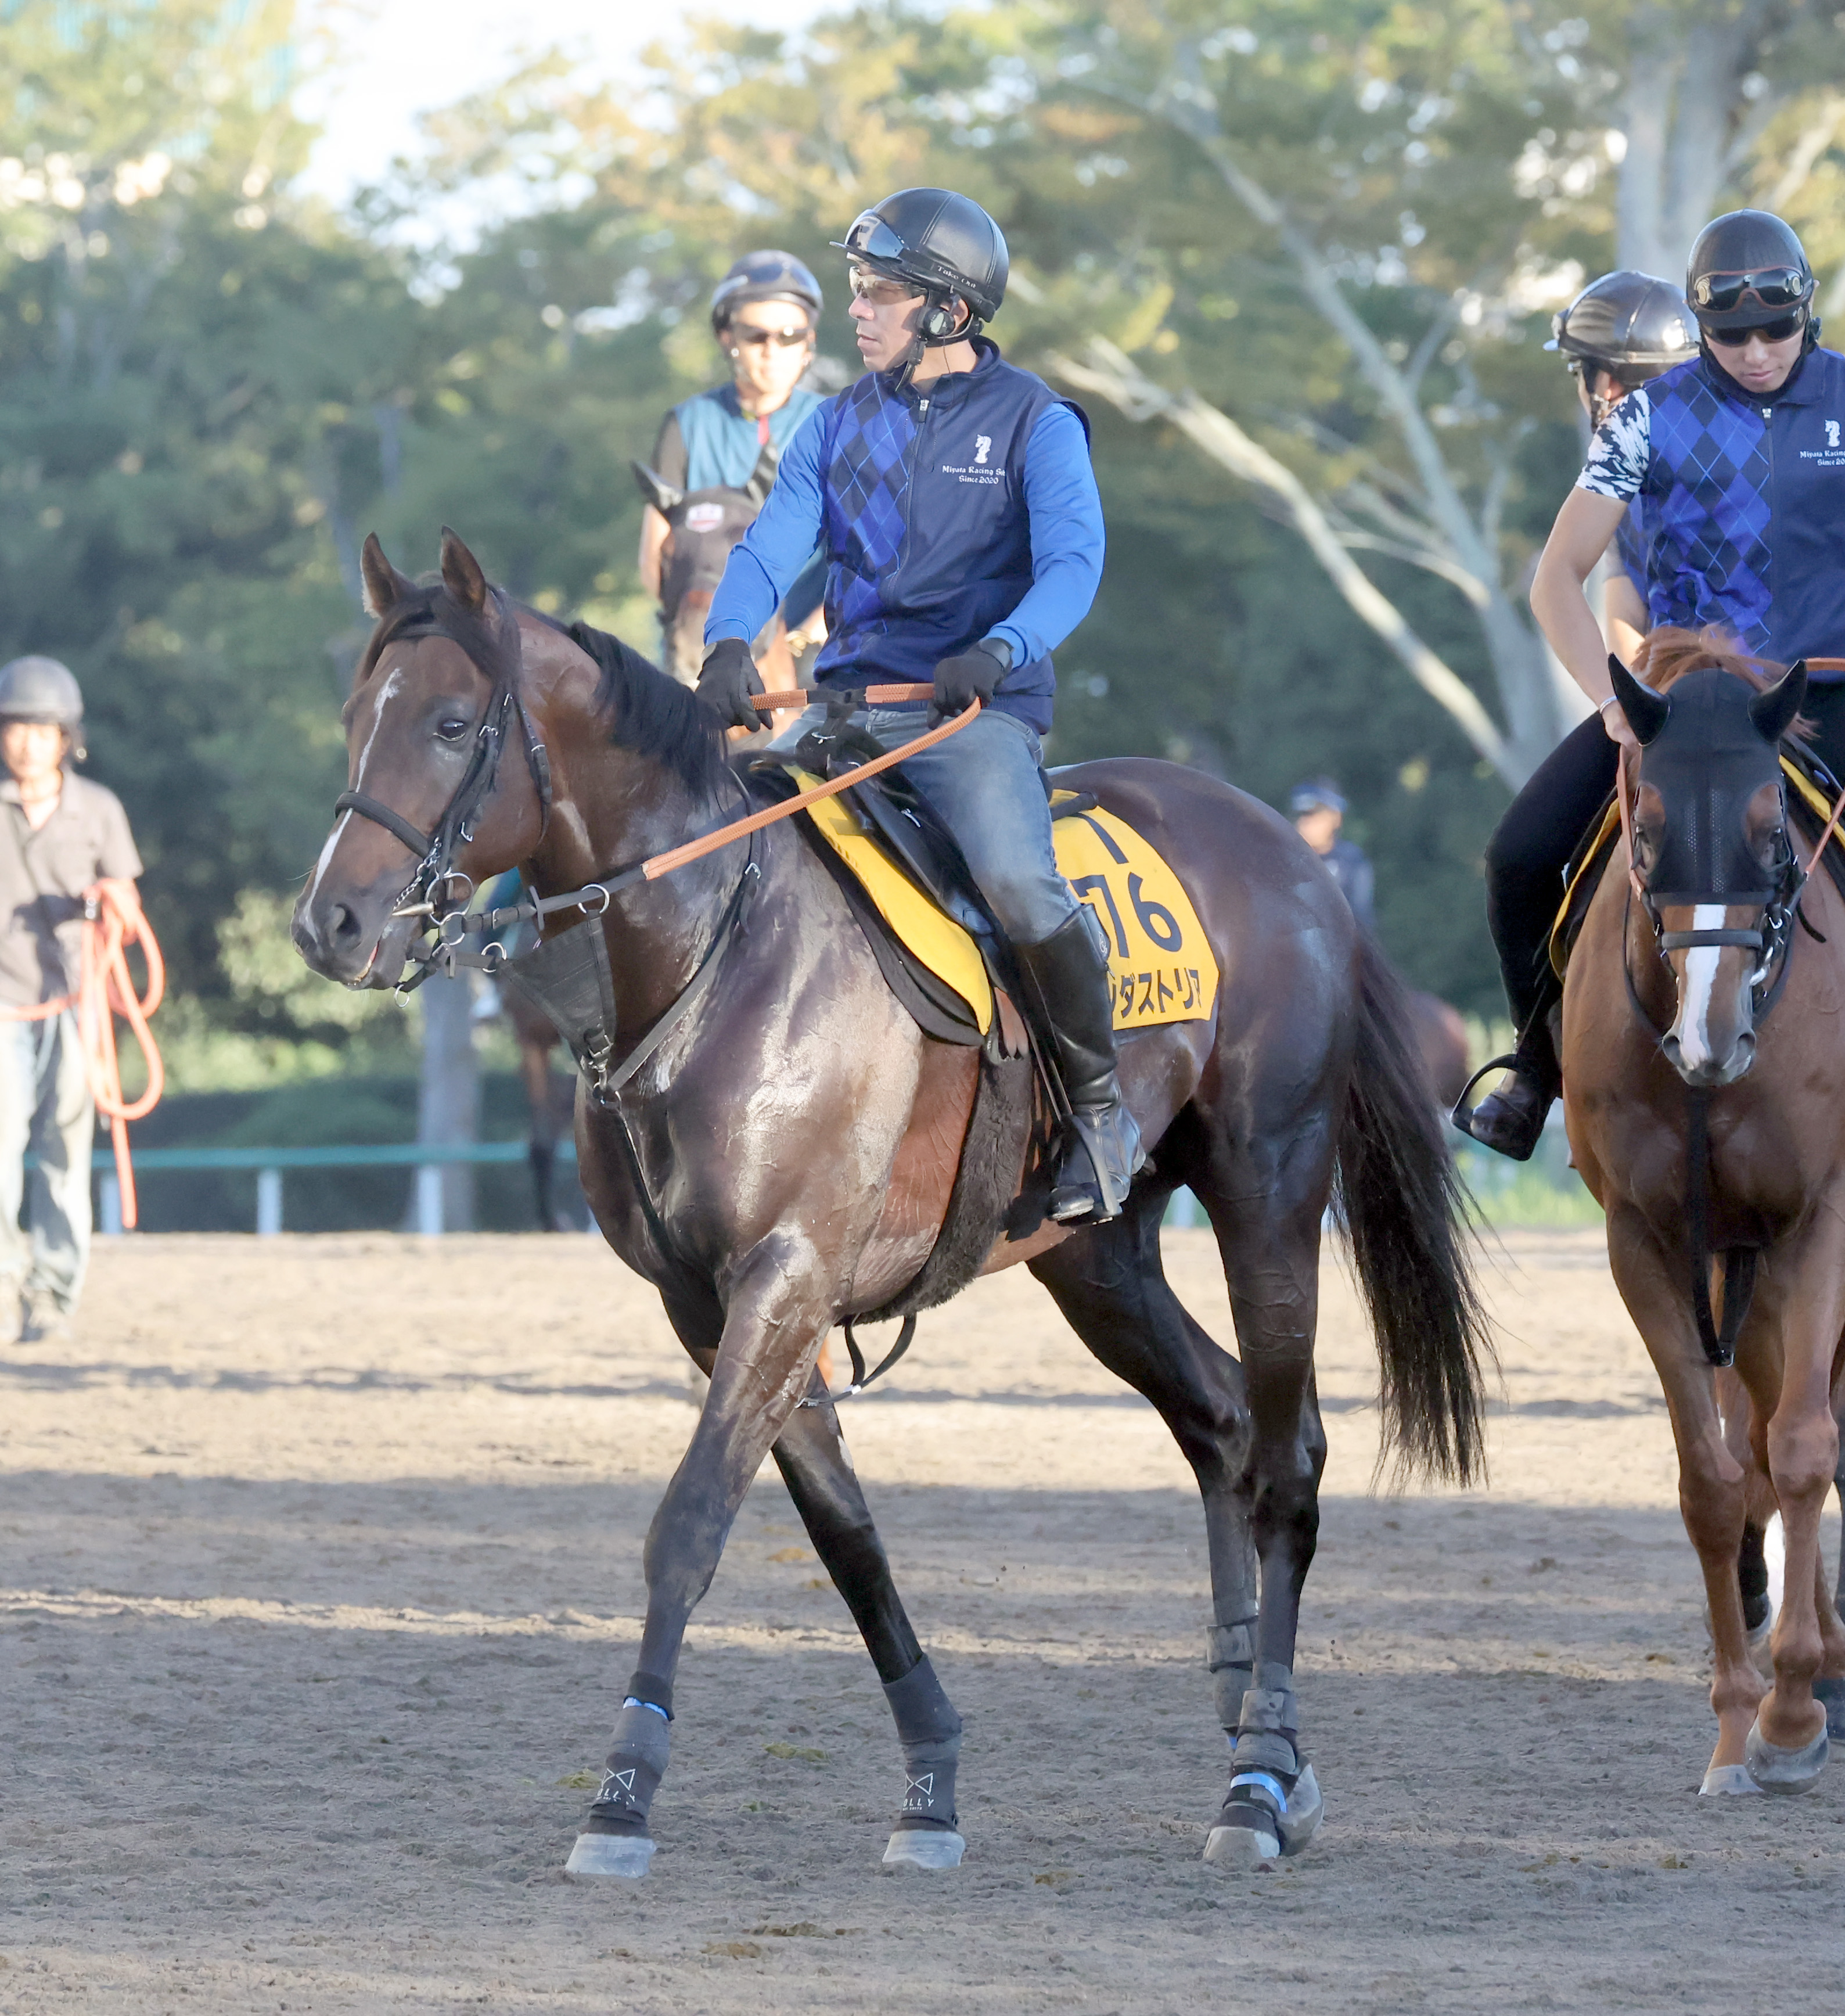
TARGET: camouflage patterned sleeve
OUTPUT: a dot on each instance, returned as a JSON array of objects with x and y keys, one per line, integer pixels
[{"x": 1621, "y": 450}]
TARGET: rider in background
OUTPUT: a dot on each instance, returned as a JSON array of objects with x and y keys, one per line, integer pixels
[
  {"x": 1317, "y": 809},
  {"x": 60, "y": 838},
  {"x": 764, "y": 314},
  {"x": 1735, "y": 457},
  {"x": 1620, "y": 331},
  {"x": 964, "y": 537}
]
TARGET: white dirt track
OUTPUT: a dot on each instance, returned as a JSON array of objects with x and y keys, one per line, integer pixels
[{"x": 320, "y": 1574}]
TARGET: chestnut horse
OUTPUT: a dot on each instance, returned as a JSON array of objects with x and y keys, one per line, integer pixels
[
  {"x": 1706, "y": 1107},
  {"x": 785, "y": 1143}
]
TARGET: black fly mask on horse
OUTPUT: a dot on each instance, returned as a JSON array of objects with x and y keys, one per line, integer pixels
[{"x": 1708, "y": 746}]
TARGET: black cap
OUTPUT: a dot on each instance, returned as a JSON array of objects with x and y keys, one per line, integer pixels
[
  {"x": 1752, "y": 242},
  {"x": 1628, "y": 323},
  {"x": 940, "y": 242},
  {"x": 765, "y": 277}
]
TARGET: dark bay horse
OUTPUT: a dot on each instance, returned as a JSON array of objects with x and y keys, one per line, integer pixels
[
  {"x": 1706, "y": 1105},
  {"x": 787, "y": 1156}
]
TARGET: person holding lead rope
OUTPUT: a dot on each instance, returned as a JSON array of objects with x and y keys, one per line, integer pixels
[{"x": 64, "y": 844}]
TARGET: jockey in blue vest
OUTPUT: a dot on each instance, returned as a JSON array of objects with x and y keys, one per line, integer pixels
[
  {"x": 1737, "y": 461},
  {"x": 953, "y": 495},
  {"x": 764, "y": 314}
]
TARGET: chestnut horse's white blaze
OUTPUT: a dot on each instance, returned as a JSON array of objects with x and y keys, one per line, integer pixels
[{"x": 1700, "y": 977}]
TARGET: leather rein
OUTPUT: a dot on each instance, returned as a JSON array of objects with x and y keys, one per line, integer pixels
[{"x": 1773, "y": 942}]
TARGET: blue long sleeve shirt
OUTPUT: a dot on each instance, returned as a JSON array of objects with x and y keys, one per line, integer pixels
[{"x": 938, "y": 538}]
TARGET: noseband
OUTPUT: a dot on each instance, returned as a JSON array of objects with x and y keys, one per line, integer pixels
[{"x": 494, "y": 651}]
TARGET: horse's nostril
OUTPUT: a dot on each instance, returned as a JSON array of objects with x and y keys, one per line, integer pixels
[{"x": 344, "y": 925}]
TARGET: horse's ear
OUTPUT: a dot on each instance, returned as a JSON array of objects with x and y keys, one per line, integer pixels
[
  {"x": 385, "y": 588},
  {"x": 1645, "y": 710},
  {"x": 1773, "y": 709},
  {"x": 658, "y": 492},
  {"x": 461, "y": 574}
]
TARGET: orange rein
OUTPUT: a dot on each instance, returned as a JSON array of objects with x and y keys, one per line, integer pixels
[
  {"x": 695, "y": 849},
  {"x": 105, "y": 989},
  {"x": 1831, "y": 825}
]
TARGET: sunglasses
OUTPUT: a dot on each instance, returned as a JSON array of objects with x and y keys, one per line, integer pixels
[
  {"x": 784, "y": 339},
  {"x": 867, "y": 286},
  {"x": 1780, "y": 287},
  {"x": 1777, "y": 331}
]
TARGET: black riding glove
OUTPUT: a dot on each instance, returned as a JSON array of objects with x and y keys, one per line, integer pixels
[
  {"x": 972, "y": 675},
  {"x": 726, "y": 679}
]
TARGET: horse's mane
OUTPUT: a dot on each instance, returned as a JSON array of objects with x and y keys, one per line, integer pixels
[
  {"x": 652, "y": 715},
  {"x": 1669, "y": 652}
]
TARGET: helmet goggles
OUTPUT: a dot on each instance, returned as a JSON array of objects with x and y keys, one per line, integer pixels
[
  {"x": 873, "y": 241},
  {"x": 1776, "y": 287}
]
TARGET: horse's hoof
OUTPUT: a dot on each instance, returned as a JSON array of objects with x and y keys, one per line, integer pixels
[
  {"x": 1777, "y": 1770},
  {"x": 1831, "y": 1693},
  {"x": 623, "y": 1855},
  {"x": 1305, "y": 1809},
  {"x": 924, "y": 1847},
  {"x": 1246, "y": 1847},
  {"x": 1730, "y": 1781}
]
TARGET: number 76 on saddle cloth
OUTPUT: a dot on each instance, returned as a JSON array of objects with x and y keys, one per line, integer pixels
[{"x": 1160, "y": 965}]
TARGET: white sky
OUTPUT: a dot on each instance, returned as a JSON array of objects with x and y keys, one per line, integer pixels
[{"x": 402, "y": 57}]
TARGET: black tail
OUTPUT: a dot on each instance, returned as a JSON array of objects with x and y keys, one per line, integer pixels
[{"x": 1405, "y": 1211}]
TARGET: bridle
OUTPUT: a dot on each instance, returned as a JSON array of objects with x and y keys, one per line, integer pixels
[
  {"x": 435, "y": 889},
  {"x": 1772, "y": 942}
]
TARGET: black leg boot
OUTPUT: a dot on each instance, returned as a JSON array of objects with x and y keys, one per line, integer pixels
[
  {"x": 1069, "y": 971},
  {"x": 1510, "y": 1121}
]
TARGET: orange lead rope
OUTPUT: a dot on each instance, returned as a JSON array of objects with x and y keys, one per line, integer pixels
[{"x": 106, "y": 988}]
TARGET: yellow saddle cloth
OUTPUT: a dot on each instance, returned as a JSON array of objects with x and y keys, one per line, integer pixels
[{"x": 1161, "y": 963}]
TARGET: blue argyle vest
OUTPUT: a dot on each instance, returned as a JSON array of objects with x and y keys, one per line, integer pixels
[
  {"x": 926, "y": 532},
  {"x": 1746, "y": 504}
]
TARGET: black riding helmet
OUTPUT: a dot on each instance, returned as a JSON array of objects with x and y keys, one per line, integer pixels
[
  {"x": 942, "y": 244},
  {"x": 1749, "y": 270},
  {"x": 1627, "y": 324},
  {"x": 764, "y": 276}
]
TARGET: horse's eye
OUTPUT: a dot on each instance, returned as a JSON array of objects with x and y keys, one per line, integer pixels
[{"x": 451, "y": 728}]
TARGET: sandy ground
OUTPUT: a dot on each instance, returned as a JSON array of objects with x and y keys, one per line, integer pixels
[{"x": 319, "y": 1575}]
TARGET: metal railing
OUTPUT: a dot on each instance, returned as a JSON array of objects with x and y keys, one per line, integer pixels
[{"x": 427, "y": 1158}]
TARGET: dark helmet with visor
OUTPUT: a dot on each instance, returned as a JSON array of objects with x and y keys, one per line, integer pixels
[
  {"x": 40, "y": 689},
  {"x": 938, "y": 242},
  {"x": 1749, "y": 271},
  {"x": 764, "y": 276},
  {"x": 1627, "y": 324}
]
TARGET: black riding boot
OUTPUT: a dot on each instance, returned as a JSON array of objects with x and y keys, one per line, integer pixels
[
  {"x": 1510, "y": 1121},
  {"x": 1069, "y": 972}
]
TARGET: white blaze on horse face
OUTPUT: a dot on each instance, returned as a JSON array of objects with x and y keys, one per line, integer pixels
[
  {"x": 391, "y": 685},
  {"x": 1700, "y": 979}
]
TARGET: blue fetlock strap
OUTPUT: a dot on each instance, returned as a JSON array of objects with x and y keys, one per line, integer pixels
[{"x": 650, "y": 1688}]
